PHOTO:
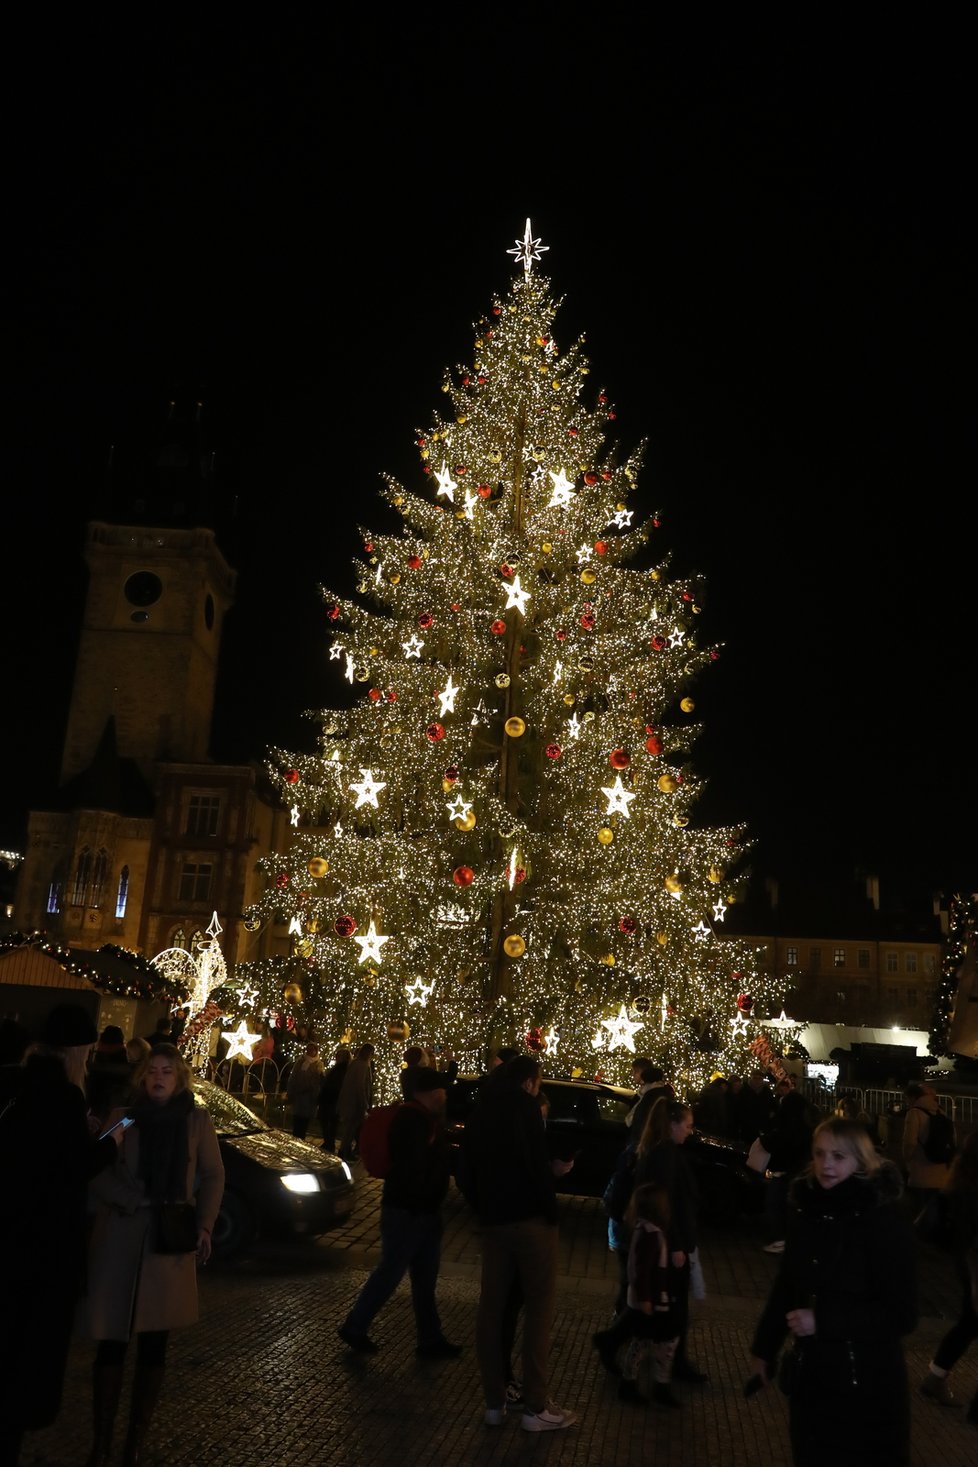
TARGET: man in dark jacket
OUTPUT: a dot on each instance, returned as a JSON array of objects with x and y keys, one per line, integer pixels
[
  {"x": 510, "y": 1183},
  {"x": 410, "y": 1221}
]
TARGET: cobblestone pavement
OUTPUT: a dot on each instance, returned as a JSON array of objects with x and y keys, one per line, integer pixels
[{"x": 262, "y": 1380}]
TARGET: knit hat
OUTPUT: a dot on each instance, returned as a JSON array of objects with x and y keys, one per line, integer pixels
[
  {"x": 424, "y": 1078},
  {"x": 68, "y": 1025}
]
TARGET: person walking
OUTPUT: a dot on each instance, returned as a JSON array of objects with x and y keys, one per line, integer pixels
[
  {"x": 136, "y": 1284},
  {"x": 789, "y": 1143},
  {"x": 50, "y": 1152},
  {"x": 960, "y": 1199},
  {"x": 510, "y": 1183},
  {"x": 928, "y": 1143},
  {"x": 303, "y": 1089},
  {"x": 355, "y": 1099},
  {"x": 329, "y": 1096},
  {"x": 410, "y": 1222},
  {"x": 845, "y": 1293}
]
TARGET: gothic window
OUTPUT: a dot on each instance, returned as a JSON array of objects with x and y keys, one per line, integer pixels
[
  {"x": 82, "y": 877},
  {"x": 122, "y": 894},
  {"x": 100, "y": 874}
]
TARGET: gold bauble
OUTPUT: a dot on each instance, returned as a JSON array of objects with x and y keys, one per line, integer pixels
[
  {"x": 547, "y": 548},
  {"x": 680, "y": 821},
  {"x": 673, "y": 884},
  {"x": 588, "y": 577},
  {"x": 514, "y": 946},
  {"x": 318, "y": 866},
  {"x": 515, "y": 727},
  {"x": 606, "y": 835},
  {"x": 398, "y": 1032},
  {"x": 715, "y": 875},
  {"x": 460, "y": 419},
  {"x": 495, "y": 456},
  {"x": 292, "y": 993},
  {"x": 447, "y": 785},
  {"x": 687, "y": 705},
  {"x": 569, "y": 699},
  {"x": 666, "y": 783},
  {"x": 466, "y": 822},
  {"x": 662, "y": 938},
  {"x": 609, "y": 960},
  {"x": 394, "y": 577},
  {"x": 654, "y": 575},
  {"x": 313, "y": 924}
]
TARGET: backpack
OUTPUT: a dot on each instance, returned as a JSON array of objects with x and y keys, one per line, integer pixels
[
  {"x": 373, "y": 1143},
  {"x": 939, "y": 1145}
]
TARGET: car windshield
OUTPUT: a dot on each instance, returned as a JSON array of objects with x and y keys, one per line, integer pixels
[
  {"x": 230, "y": 1117},
  {"x": 614, "y": 1107}
]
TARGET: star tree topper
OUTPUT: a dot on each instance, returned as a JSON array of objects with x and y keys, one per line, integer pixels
[{"x": 528, "y": 249}]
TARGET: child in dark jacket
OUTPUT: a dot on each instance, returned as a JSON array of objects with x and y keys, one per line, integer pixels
[{"x": 649, "y": 1320}]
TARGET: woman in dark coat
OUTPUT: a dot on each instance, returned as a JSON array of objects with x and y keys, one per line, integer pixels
[
  {"x": 846, "y": 1292},
  {"x": 48, "y": 1153}
]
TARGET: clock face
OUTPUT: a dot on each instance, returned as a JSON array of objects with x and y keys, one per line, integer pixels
[{"x": 143, "y": 588}]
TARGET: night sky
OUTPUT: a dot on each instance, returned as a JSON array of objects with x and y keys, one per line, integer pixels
[{"x": 766, "y": 242}]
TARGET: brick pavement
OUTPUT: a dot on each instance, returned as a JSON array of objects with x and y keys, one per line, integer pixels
[{"x": 262, "y": 1381}]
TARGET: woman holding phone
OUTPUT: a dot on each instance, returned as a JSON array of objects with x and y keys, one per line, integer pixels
[{"x": 137, "y": 1284}]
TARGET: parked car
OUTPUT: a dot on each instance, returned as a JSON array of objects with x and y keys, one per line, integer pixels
[
  {"x": 586, "y": 1120},
  {"x": 274, "y": 1184}
]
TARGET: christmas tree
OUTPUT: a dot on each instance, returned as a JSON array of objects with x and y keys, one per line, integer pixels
[{"x": 494, "y": 842}]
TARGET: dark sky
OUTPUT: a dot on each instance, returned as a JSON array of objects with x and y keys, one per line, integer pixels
[{"x": 766, "y": 241}]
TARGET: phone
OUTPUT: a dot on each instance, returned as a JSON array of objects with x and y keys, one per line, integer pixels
[
  {"x": 125, "y": 1123},
  {"x": 752, "y": 1387}
]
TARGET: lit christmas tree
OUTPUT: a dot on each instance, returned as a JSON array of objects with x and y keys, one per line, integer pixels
[{"x": 494, "y": 843}]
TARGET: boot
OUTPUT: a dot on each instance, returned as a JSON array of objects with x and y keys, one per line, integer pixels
[
  {"x": 146, "y": 1387},
  {"x": 106, "y": 1389}
]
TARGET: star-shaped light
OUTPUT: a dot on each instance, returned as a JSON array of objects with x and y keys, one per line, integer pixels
[
  {"x": 248, "y": 995},
  {"x": 676, "y": 637},
  {"x": 511, "y": 868},
  {"x": 618, "y": 798},
  {"x": 551, "y": 1039},
  {"x": 469, "y": 503},
  {"x": 336, "y": 652},
  {"x": 459, "y": 808},
  {"x": 558, "y": 670},
  {"x": 419, "y": 991},
  {"x": 446, "y": 484},
  {"x": 574, "y": 726},
  {"x": 215, "y": 929},
  {"x": 701, "y": 932},
  {"x": 528, "y": 249},
  {"x": 348, "y": 674},
  {"x": 622, "y": 518},
  {"x": 371, "y": 944},
  {"x": 621, "y": 1031},
  {"x": 664, "y": 1010},
  {"x": 517, "y": 596},
  {"x": 294, "y": 815},
  {"x": 412, "y": 647},
  {"x": 738, "y": 1026},
  {"x": 719, "y": 912},
  {"x": 337, "y": 830},
  {"x": 447, "y": 697},
  {"x": 368, "y": 789},
  {"x": 240, "y": 1041},
  {"x": 563, "y": 491},
  {"x": 295, "y": 927}
]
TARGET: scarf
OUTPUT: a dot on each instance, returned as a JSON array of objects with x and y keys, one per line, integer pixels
[{"x": 164, "y": 1147}]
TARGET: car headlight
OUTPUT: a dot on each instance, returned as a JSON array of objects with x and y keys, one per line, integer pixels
[
  {"x": 347, "y": 1172},
  {"x": 301, "y": 1182}
]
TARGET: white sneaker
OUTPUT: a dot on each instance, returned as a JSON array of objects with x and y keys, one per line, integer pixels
[
  {"x": 777, "y": 1247},
  {"x": 551, "y": 1418},
  {"x": 496, "y": 1416}
]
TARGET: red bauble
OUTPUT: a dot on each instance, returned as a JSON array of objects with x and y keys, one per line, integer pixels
[
  {"x": 414, "y": 561},
  {"x": 456, "y": 606},
  {"x": 572, "y": 432},
  {"x": 435, "y": 732},
  {"x": 392, "y": 696},
  {"x": 481, "y": 381},
  {"x": 612, "y": 417},
  {"x": 587, "y": 621},
  {"x": 451, "y": 773},
  {"x": 344, "y": 926},
  {"x": 535, "y": 1040},
  {"x": 590, "y": 477},
  {"x": 561, "y": 636},
  {"x": 602, "y": 397},
  {"x": 462, "y": 875},
  {"x": 498, "y": 627},
  {"x": 658, "y": 642},
  {"x": 426, "y": 620},
  {"x": 484, "y": 490},
  {"x": 654, "y": 744},
  {"x": 282, "y": 879},
  {"x": 369, "y": 548},
  {"x": 553, "y": 751},
  {"x": 600, "y": 547},
  {"x": 745, "y": 1002},
  {"x": 373, "y": 694},
  {"x": 497, "y": 310},
  {"x": 687, "y": 596},
  {"x": 714, "y": 655},
  {"x": 505, "y": 569},
  {"x": 607, "y": 476},
  {"x": 618, "y": 759},
  {"x": 656, "y": 521},
  {"x": 520, "y": 874},
  {"x": 292, "y": 777},
  {"x": 461, "y": 469},
  {"x": 333, "y": 613},
  {"x": 628, "y": 924},
  {"x": 422, "y": 442}
]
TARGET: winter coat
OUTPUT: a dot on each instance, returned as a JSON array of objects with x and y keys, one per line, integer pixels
[
  {"x": 921, "y": 1173},
  {"x": 507, "y": 1175},
  {"x": 130, "y": 1287},
  {"x": 651, "y": 1277},
  {"x": 850, "y": 1256},
  {"x": 49, "y": 1156},
  {"x": 305, "y": 1083},
  {"x": 356, "y": 1096},
  {"x": 666, "y": 1165},
  {"x": 420, "y": 1165},
  {"x": 789, "y": 1137}
]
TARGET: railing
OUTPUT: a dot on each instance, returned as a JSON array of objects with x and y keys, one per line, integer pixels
[{"x": 260, "y": 1084}]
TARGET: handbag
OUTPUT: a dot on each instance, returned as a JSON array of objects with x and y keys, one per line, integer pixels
[
  {"x": 757, "y": 1157},
  {"x": 176, "y": 1227}
]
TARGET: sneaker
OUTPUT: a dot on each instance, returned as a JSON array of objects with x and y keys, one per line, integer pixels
[
  {"x": 551, "y": 1418},
  {"x": 362, "y": 1343},
  {"x": 777, "y": 1247},
  {"x": 495, "y": 1415},
  {"x": 937, "y": 1388},
  {"x": 514, "y": 1393},
  {"x": 441, "y": 1349}
]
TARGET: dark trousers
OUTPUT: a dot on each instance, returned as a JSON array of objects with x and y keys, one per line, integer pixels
[
  {"x": 965, "y": 1328},
  {"x": 527, "y": 1252},
  {"x": 410, "y": 1243}
]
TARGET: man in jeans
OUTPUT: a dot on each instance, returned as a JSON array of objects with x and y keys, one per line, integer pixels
[
  {"x": 410, "y": 1222},
  {"x": 510, "y": 1182}
]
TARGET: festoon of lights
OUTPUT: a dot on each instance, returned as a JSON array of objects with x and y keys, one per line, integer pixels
[{"x": 496, "y": 837}]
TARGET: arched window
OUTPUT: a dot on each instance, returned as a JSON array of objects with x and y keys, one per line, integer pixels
[
  {"x": 179, "y": 939},
  {"x": 83, "y": 875},
  {"x": 123, "y": 893},
  {"x": 100, "y": 875}
]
